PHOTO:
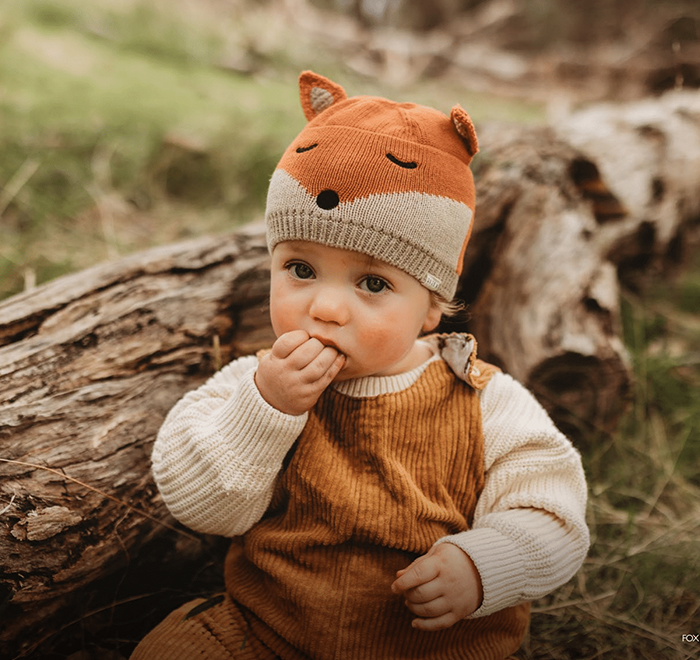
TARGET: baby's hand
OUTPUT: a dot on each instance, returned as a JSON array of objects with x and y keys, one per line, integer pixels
[
  {"x": 441, "y": 587},
  {"x": 294, "y": 374}
]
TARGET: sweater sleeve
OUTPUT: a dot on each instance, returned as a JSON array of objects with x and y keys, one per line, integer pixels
[
  {"x": 529, "y": 534},
  {"x": 219, "y": 451}
]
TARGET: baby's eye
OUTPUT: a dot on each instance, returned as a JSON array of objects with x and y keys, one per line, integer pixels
[
  {"x": 374, "y": 284},
  {"x": 300, "y": 271}
]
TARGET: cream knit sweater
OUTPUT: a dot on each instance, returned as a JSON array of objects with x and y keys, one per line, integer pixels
[{"x": 221, "y": 448}]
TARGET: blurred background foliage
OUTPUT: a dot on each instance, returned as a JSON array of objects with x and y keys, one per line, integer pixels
[
  {"x": 126, "y": 124},
  {"x": 130, "y": 123},
  {"x": 134, "y": 122}
]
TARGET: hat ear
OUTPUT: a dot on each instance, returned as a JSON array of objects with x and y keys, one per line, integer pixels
[
  {"x": 465, "y": 128},
  {"x": 318, "y": 93}
]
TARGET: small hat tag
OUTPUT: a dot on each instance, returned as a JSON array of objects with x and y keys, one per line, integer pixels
[{"x": 431, "y": 282}]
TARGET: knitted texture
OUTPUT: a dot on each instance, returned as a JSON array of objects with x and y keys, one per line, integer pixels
[
  {"x": 390, "y": 180},
  {"x": 370, "y": 485},
  {"x": 218, "y": 454}
]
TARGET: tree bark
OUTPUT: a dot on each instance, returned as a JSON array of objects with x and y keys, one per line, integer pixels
[
  {"x": 565, "y": 216},
  {"x": 91, "y": 363}
]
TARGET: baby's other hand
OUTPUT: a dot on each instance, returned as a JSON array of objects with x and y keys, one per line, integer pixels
[
  {"x": 294, "y": 374},
  {"x": 440, "y": 588}
]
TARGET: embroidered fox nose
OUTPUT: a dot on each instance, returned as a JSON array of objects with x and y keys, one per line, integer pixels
[{"x": 327, "y": 199}]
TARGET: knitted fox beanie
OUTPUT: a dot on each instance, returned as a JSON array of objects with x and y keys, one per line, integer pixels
[{"x": 390, "y": 180}]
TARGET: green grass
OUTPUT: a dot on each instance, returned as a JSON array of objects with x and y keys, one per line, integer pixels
[
  {"x": 128, "y": 124},
  {"x": 99, "y": 131}
]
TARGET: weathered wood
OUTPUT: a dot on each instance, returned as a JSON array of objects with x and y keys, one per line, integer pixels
[
  {"x": 91, "y": 363},
  {"x": 648, "y": 153},
  {"x": 564, "y": 215},
  {"x": 546, "y": 305},
  {"x": 89, "y": 366}
]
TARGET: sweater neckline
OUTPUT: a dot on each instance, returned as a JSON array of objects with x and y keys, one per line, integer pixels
[{"x": 368, "y": 386}]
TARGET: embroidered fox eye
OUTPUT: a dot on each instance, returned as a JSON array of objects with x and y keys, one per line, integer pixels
[
  {"x": 301, "y": 150},
  {"x": 409, "y": 165}
]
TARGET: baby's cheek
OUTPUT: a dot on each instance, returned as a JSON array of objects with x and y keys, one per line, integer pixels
[
  {"x": 282, "y": 321},
  {"x": 283, "y": 314},
  {"x": 382, "y": 342}
]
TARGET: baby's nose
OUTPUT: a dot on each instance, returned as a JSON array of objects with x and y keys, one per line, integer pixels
[
  {"x": 327, "y": 200},
  {"x": 329, "y": 306}
]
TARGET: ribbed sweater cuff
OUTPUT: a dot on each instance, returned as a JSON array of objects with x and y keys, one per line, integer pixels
[
  {"x": 500, "y": 564},
  {"x": 254, "y": 418}
]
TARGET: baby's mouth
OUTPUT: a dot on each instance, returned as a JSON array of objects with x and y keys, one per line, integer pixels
[
  {"x": 328, "y": 342},
  {"x": 331, "y": 344}
]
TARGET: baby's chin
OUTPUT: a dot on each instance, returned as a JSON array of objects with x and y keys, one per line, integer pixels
[
  {"x": 348, "y": 372},
  {"x": 342, "y": 377}
]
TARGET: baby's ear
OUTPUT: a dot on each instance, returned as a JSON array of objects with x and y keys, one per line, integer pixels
[
  {"x": 318, "y": 93},
  {"x": 465, "y": 128},
  {"x": 432, "y": 318}
]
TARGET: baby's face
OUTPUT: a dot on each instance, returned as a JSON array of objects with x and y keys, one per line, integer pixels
[{"x": 368, "y": 310}]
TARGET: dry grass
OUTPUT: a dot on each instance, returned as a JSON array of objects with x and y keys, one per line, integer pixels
[{"x": 639, "y": 591}]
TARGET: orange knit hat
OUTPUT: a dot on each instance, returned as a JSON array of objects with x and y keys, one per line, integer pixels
[{"x": 390, "y": 180}]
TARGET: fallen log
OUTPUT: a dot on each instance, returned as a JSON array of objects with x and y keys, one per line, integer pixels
[
  {"x": 565, "y": 216},
  {"x": 544, "y": 297},
  {"x": 91, "y": 363},
  {"x": 89, "y": 366},
  {"x": 648, "y": 154}
]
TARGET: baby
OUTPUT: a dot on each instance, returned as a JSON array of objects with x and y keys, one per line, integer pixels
[{"x": 388, "y": 495}]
